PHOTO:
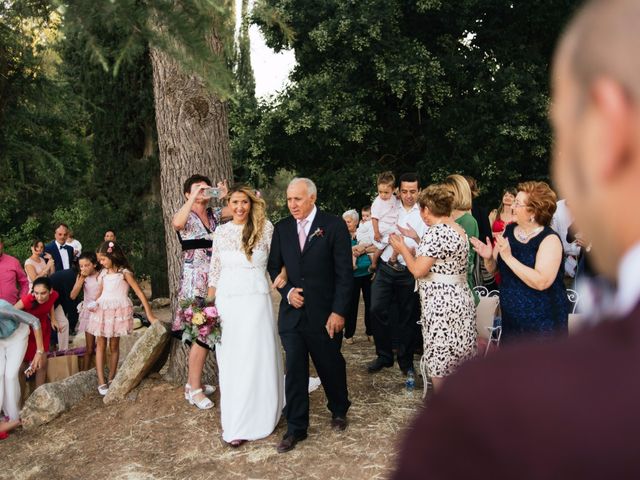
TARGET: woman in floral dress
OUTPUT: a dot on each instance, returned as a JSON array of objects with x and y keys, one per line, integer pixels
[
  {"x": 440, "y": 266},
  {"x": 195, "y": 223}
]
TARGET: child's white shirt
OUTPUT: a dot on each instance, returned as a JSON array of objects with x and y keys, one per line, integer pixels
[
  {"x": 364, "y": 233},
  {"x": 386, "y": 212}
]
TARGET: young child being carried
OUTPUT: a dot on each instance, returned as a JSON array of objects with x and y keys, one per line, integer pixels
[{"x": 384, "y": 216}]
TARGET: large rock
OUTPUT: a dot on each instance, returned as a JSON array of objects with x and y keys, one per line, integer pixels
[
  {"x": 160, "y": 302},
  {"x": 51, "y": 399},
  {"x": 139, "y": 362}
]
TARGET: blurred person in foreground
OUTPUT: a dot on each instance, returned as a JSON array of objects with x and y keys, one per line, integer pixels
[{"x": 565, "y": 408}]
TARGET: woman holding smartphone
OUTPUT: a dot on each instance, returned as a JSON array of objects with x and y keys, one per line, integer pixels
[
  {"x": 195, "y": 223},
  {"x": 14, "y": 332},
  {"x": 41, "y": 304}
]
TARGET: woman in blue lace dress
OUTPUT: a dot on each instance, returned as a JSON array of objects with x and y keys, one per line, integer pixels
[{"x": 528, "y": 255}]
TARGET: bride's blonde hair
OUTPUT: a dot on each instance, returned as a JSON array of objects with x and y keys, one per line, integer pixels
[{"x": 252, "y": 231}]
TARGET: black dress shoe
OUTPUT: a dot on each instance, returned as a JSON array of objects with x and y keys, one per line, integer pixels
[
  {"x": 289, "y": 442},
  {"x": 339, "y": 424},
  {"x": 377, "y": 365}
]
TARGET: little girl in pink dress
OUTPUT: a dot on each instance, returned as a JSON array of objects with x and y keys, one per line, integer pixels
[
  {"x": 87, "y": 281},
  {"x": 113, "y": 315}
]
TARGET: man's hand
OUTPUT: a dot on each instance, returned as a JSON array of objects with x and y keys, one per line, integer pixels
[
  {"x": 296, "y": 300},
  {"x": 335, "y": 324}
]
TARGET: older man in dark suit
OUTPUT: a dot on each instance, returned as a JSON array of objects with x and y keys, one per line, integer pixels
[
  {"x": 566, "y": 409},
  {"x": 315, "y": 248},
  {"x": 61, "y": 252}
]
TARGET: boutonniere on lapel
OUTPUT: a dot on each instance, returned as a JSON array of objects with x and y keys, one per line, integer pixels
[{"x": 318, "y": 233}]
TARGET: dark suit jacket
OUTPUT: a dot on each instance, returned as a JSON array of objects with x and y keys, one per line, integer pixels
[
  {"x": 52, "y": 248},
  {"x": 568, "y": 409},
  {"x": 323, "y": 269}
]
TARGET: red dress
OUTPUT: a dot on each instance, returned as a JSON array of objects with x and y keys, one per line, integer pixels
[
  {"x": 42, "y": 312},
  {"x": 498, "y": 227}
]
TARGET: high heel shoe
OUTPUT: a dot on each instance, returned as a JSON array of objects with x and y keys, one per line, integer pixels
[{"x": 203, "y": 404}]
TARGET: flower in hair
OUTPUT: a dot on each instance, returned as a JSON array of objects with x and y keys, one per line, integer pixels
[{"x": 110, "y": 249}]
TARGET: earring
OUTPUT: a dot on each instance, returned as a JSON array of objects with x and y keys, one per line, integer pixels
[{"x": 531, "y": 219}]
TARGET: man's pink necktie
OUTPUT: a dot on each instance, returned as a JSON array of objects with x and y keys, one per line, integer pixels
[{"x": 302, "y": 235}]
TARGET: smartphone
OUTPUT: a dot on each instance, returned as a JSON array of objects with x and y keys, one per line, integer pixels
[{"x": 211, "y": 192}]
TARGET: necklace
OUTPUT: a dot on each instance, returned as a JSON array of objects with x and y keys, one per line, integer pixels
[{"x": 524, "y": 237}]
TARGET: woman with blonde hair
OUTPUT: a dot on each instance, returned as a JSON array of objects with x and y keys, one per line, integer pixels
[
  {"x": 249, "y": 355},
  {"x": 461, "y": 214},
  {"x": 528, "y": 256}
]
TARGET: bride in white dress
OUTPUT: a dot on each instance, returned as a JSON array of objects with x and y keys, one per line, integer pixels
[{"x": 249, "y": 355}]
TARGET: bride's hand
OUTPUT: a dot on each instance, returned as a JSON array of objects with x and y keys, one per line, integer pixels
[{"x": 280, "y": 281}]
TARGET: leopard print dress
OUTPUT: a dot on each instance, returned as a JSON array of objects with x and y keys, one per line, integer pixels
[{"x": 448, "y": 311}]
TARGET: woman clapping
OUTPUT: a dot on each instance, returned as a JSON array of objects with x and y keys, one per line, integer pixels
[{"x": 528, "y": 256}]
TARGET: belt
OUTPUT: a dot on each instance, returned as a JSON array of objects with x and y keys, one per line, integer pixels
[
  {"x": 443, "y": 278},
  {"x": 398, "y": 267}
]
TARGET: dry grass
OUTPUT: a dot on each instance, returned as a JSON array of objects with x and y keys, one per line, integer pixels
[{"x": 155, "y": 434}]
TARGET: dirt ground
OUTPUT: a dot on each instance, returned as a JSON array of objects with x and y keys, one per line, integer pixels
[{"x": 157, "y": 435}]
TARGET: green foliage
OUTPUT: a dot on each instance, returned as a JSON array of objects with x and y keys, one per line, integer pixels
[
  {"x": 428, "y": 86},
  {"x": 19, "y": 239},
  {"x": 44, "y": 149},
  {"x": 184, "y": 29}
]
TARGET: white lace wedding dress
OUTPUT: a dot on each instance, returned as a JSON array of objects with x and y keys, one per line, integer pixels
[{"x": 249, "y": 355}]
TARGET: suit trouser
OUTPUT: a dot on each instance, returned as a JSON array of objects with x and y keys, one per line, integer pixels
[
  {"x": 12, "y": 350},
  {"x": 298, "y": 344},
  {"x": 391, "y": 289}
]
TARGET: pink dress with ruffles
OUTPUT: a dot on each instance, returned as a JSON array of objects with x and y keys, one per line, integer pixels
[
  {"x": 89, "y": 296},
  {"x": 114, "y": 314}
]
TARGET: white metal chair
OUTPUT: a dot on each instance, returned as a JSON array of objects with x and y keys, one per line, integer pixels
[
  {"x": 576, "y": 320},
  {"x": 485, "y": 316}
]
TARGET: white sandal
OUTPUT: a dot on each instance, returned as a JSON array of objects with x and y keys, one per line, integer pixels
[
  {"x": 204, "y": 404},
  {"x": 103, "y": 389},
  {"x": 207, "y": 389}
]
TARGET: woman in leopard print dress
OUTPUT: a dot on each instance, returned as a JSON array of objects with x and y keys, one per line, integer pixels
[{"x": 440, "y": 266}]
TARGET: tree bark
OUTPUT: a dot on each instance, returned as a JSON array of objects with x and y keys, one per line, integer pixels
[{"x": 193, "y": 137}]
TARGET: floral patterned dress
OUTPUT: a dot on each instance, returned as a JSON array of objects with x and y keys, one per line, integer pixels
[
  {"x": 448, "y": 310},
  {"x": 196, "y": 241}
]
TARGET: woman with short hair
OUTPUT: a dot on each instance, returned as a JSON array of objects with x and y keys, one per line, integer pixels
[
  {"x": 440, "y": 266},
  {"x": 361, "y": 280},
  {"x": 533, "y": 298}
]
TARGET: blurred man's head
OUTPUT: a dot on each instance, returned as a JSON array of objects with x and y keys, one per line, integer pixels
[
  {"x": 61, "y": 233},
  {"x": 596, "y": 120}
]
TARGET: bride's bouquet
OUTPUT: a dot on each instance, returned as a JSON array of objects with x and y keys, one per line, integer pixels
[{"x": 199, "y": 321}]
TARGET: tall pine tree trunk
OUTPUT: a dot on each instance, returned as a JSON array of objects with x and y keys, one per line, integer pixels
[{"x": 193, "y": 137}]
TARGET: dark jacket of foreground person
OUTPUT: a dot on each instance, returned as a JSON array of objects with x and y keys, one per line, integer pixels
[{"x": 538, "y": 411}]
